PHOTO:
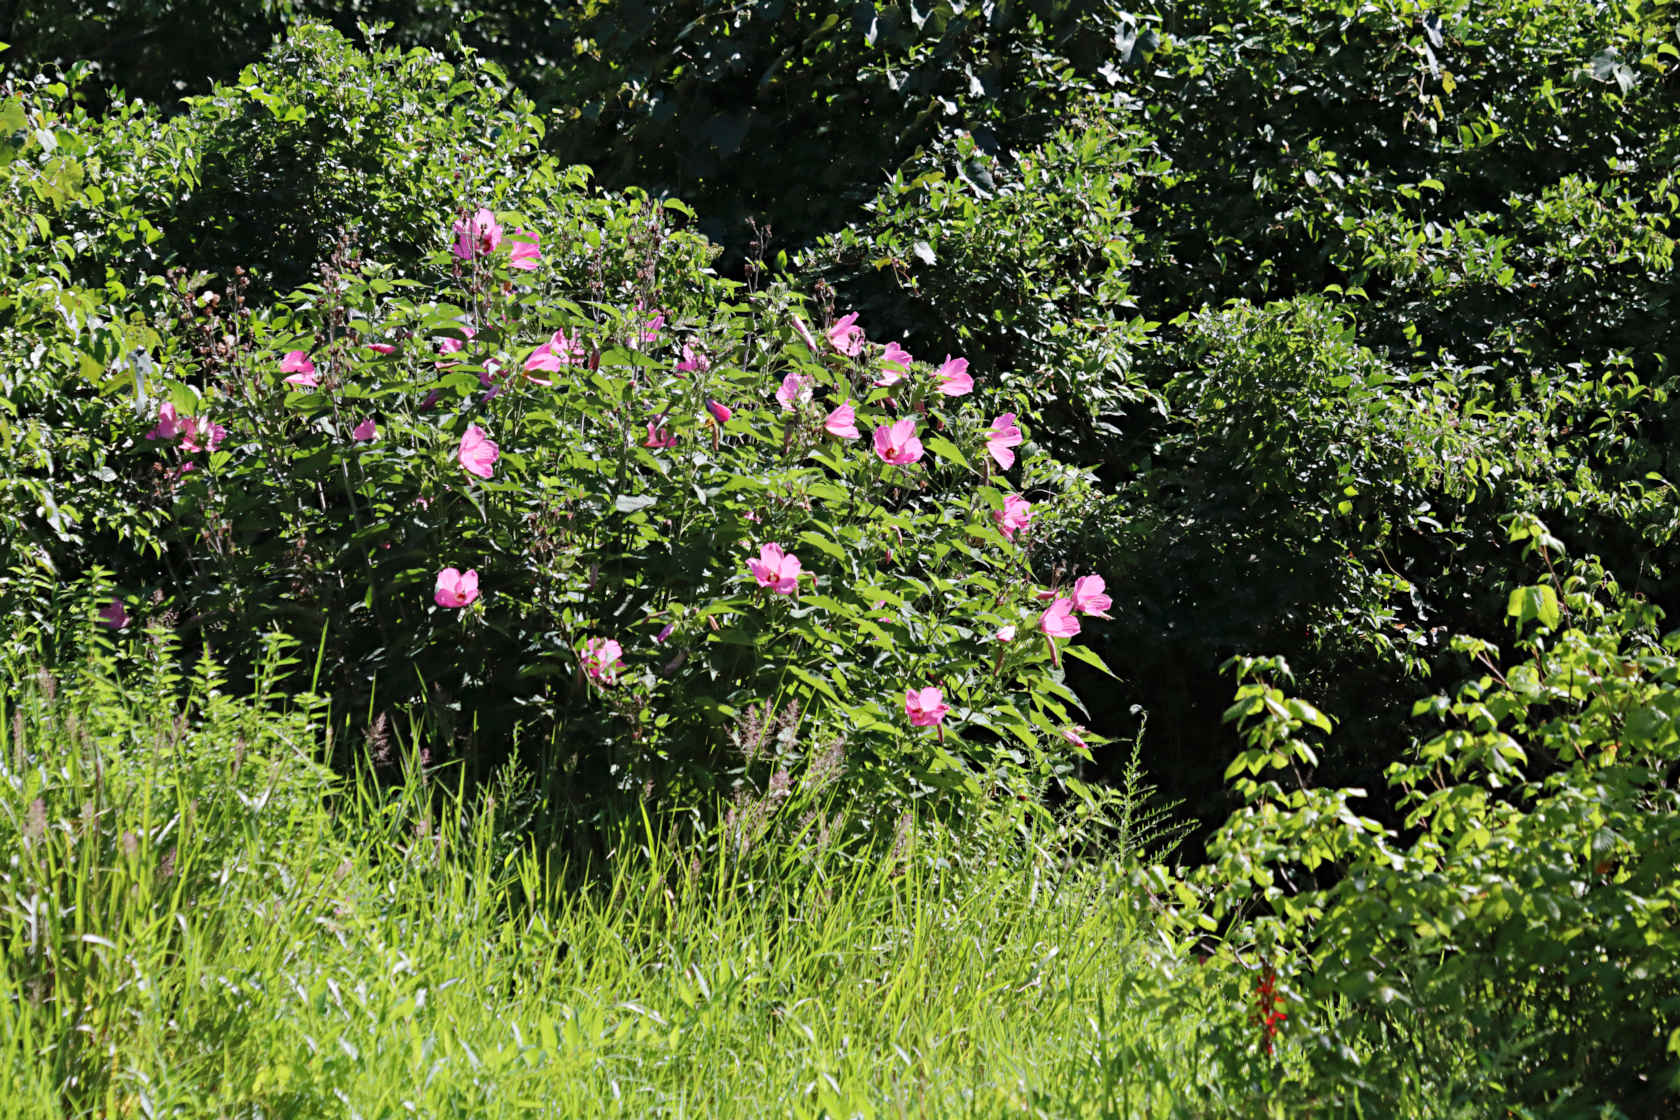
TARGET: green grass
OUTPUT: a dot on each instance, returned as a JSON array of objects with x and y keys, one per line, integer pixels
[{"x": 198, "y": 919}]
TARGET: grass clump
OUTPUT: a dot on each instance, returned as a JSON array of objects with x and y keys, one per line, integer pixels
[{"x": 199, "y": 919}]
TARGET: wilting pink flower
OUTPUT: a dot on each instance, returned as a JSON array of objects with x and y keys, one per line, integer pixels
[
  {"x": 365, "y": 431},
  {"x": 926, "y": 707},
  {"x": 477, "y": 453},
  {"x": 601, "y": 660},
  {"x": 194, "y": 427},
  {"x": 775, "y": 569},
  {"x": 526, "y": 253},
  {"x": 794, "y": 389},
  {"x": 846, "y": 336},
  {"x": 1005, "y": 633},
  {"x": 650, "y": 330},
  {"x": 659, "y": 436},
  {"x": 898, "y": 444},
  {"x": 804, "y": 332},
  {"x": 953, "y": 377},
  {"x": 1014, "y": 515},
  {"x": 1000, "y": 437},
  {"x": 720, "y": 412},
  {"x": 113, "y": 615},
  {"x": 382, "y": 348},
  {"x": 168, "y": 425},
  {"x": 693, "y": 361},
  {"x": 896, "y": 361},
  {"x": 456, "y": 589},
  {"x": 665, "y": 632},
  {"x": 477, "y": 236},
  {"x": 1072, "y": 735},
  {"x": 1058, "y": 621},
  {"x": 430, "y": 401},
  {"x": 842, "y": 422},
  {"x": 1088, "y": 597},
  {"x": 302, "y": 370}
]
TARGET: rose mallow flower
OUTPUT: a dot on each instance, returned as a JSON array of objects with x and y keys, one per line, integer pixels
[
  {"x": 194, "y": 428},
  {"x": 601, "y": 660},
  {"x": 775, "y": 569},
  {"x": 113, "y": 615},
  {"x": 658, "y": 436},
  {"x": 1014, "y": 516},
  {"x": 456, "y": 588},
  {"x": 896, "y": 362},
  {"x": 842, "y": 422},
  {"x": 1000, "y": 437},
  {"x": 693, "y": 361},
  {"x": 477, "y": 236},
  {"x": 720, "y": 412},
  {"x": 953, "y": 377},
  {"x": 477, "y": 454},
  {"x": 846, "y": 336},
  {"x": 804, "y": 333},
  {"x": 302, "y": 370},
  {"x": 793, "y": 390},
  {"x": 1088, "y": 597},
  {"x": 926, "y": 707},
  {"x": 366, "y": 431},
  {"x": 527, "y": 252},
  {"x": 898, "y": 444},
  {"x": 168, "y": 425},
  {"x": 1058, "y": 620}
]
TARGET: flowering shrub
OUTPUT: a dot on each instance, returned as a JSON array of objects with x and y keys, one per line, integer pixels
[{"x": 623, "y": 528}]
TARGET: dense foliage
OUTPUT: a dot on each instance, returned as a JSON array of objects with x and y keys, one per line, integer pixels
[{"x": 1042, "y": 365}]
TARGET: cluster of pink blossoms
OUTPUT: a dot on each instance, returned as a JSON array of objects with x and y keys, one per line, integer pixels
[{"x": 196, "y": 433}]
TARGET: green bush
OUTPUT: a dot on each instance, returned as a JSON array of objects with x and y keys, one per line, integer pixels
[{"x": 1514, "y": 941}]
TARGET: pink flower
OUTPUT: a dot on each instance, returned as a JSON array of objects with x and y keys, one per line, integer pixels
[
  {"x": 382, "y": 348},
  {"x": 1000, "y": 437},
  {"x": 1072, "y": 735},
  {"x": 168, "y": 425},
  {"x": 776, "y": 569},
  {"x": 846, "y": 336},
  {"x": 1088, "y": 597},
  {"x": 693, "y": 361},
  {"x": 194, "y": 427},
  {"x": 601, "y": 660},
  {"x": 1058, "y": 621},
  {"x": 302, "y": 370},
  {"x": 453, "y": 345},
  {"x": 954, "y": 380},
  {"x": 113, "y": 615},
  {"x": 720, "y": 412},
  {"x": 430, "y": 401},
  {"x": 477, "y": 236},
  {"x": 665, "y": 632},
  {"x": 898, "y": 445},
  {"x": 897, "y": 362},
  {"x": 794, "y": 390},
  {"x": 1005, "y": 634},
  {"x": 658, "y": 436},
  {"x": 456, "y": 589},
  {"x": 842, "y": 422},
  {"x": 365, "y": 431},
  {"x": 1014, "y": 515},
  {"x": 650, "y": 331},
  {"x": 926, "y": 707},
  {"x": 476, "y": 453},
  {"x": 557, "y": 352},
  {"x": 804, "y": 332},
  {"x": 526, "y": 254}
]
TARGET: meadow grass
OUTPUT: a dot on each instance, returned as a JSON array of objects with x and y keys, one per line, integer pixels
[{"x": 199, "y": 919}]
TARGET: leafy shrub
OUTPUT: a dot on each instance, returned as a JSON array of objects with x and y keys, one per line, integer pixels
[
  {"x": 1021, "y": 263},
  {"x": 1515, "y": 940}
]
